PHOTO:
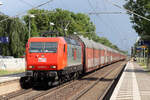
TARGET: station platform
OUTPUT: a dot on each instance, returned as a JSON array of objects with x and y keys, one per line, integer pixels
[
  {"x": 134, "y": 84},
  {"x": 11, "y": 77}
]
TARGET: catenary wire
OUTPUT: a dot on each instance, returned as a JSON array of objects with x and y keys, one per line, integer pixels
[
  {"x": 132, "y": 12},
  {"x": 27, "y": 10},
  {"x": 27, "y": 3}
]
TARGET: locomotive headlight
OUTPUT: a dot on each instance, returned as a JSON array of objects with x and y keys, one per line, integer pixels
[
  {"x": 52, "y": 66},
  {"x": 31, "y": 66}
]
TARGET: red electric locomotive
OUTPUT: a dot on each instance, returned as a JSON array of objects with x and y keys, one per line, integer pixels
[{"x": 51, "y": 60}]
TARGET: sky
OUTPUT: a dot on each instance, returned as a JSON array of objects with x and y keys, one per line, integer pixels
[{"x": 115, "y": 27}]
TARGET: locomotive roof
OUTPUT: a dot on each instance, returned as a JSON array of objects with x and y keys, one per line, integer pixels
[{"x": 45, "y": 39}]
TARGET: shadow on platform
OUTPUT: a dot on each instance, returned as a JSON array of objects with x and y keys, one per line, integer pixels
[{"x": 137, "y": 70}]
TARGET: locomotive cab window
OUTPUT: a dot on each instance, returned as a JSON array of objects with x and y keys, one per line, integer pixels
[
  {"x": 43, "y": 47},
  {"x": 36, "y": 47},
  {"x": 50, "y": 47}
]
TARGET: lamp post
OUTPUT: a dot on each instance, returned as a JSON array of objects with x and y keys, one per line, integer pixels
[
  {"x": 1, "y": 41},
  {"x": 1, "y": 3},
  {"x": 30, "y": 16},
  {"x": 65, "y": 29},
  {"x": 75, "y": 33},
  {"x": 51, "y": 24},
  {"x": 84, "y": 32}
]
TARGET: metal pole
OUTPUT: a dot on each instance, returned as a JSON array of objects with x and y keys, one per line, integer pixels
[
  {"x": 141, "y": 56},
  {"x": 66, "y": 28},
  {"x": 144, "y": 55},
  {"x": 29, "y": 27},
  {"x": 148, "y": 58},
  {"x": 0, "y": 42}
]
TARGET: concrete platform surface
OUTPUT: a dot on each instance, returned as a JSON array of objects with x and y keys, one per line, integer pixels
[
  {"x": 7, "y": 78},
  {"x": 134, "y": 84}
]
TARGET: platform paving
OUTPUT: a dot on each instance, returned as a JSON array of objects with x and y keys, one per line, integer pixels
[{"x": 134, "y": 84}]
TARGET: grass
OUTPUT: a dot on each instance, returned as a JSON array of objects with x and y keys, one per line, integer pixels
[
  {"x": 5, "y": 72},
  {"x": 143, "y": 65}
]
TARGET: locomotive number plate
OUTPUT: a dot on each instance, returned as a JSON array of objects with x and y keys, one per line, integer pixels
[{"x": 41, "y": 59}]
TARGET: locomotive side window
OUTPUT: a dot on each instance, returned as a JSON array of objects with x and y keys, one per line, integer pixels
[{"x": 46, "y": 47}]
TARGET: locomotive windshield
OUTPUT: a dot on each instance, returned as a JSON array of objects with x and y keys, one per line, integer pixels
[{"x": 46, "y": 47}]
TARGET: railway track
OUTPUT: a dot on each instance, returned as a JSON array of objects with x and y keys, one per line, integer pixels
[
  {"x": 6, "y": 79},
  {"x": 28, "y": 94},
  {"x": 14, "y": 94},
  {"x": 31, "y": 94},
  {"x": 80, "y": 94},
  {"x": 8, "y": 87},
  {"x": 96, "y": 84},
  {"x": 69, "y": 90},
  {"x": 10, "y": 83},
  {"x": 13, "y": 75}
]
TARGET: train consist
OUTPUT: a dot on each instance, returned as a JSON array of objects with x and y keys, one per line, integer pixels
[{"x": 51, "y": 60}]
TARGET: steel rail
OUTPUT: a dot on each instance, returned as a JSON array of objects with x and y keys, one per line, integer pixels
[
  {"x": 14, "y": 94},
  {"x": 80, "y": 94},
  {"x": 102, "y": 96}
]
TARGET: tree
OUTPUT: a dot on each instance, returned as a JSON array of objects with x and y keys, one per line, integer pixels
[
  {"x": 79, "y": 23},
  {"x": 141, "y": 7},
  {"x": 15, "y": 29},
  {"x": 141, "y": 26},
  {"x": 62, "y": 19}
]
